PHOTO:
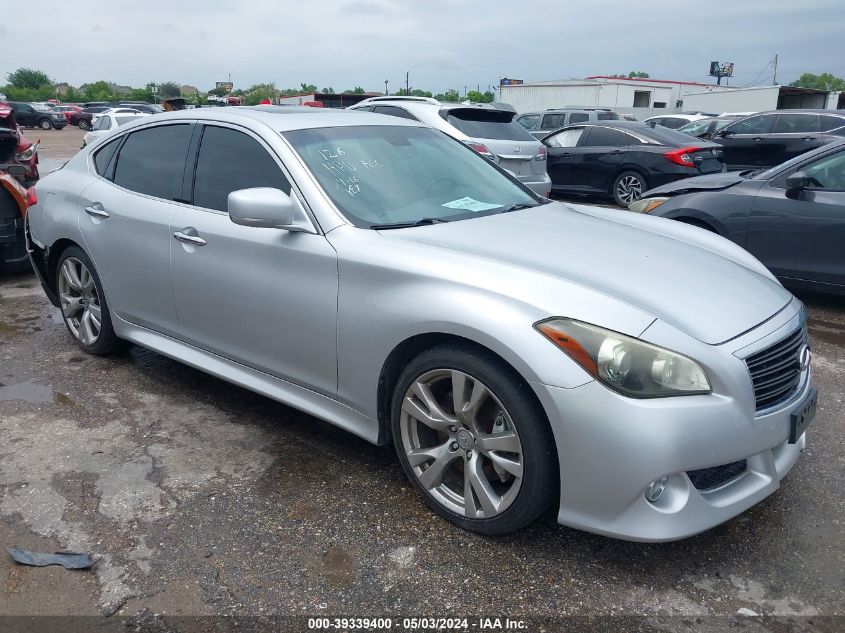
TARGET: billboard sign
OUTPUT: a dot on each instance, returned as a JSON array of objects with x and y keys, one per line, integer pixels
[
  {"x": 510, "y": 82},
  {"x": 718, "y": 69},
  {"x": 224, "y": 85}
]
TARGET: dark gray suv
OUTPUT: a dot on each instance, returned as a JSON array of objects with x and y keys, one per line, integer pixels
[{"x": 541, "y": 124}]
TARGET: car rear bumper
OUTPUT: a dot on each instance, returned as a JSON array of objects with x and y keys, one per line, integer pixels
[{"x": 542, "y": 186}]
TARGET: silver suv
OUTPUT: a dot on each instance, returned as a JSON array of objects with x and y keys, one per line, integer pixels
[
  {"x": 541, "y": 124},
  {"x": 487, "y": 129}
]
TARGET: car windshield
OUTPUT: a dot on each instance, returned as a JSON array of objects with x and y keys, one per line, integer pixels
[{"x": 382, "y": 175}]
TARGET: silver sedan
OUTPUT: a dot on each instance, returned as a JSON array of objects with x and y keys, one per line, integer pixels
[{"x": 648, "y": 378}]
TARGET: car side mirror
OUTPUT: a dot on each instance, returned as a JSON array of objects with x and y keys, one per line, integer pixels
[
  {"x": 14, "y": 170},
  {"x": 796, "y": 183},
  {"x": 265, "y": 207},
  {"x": 724, "y": 133}
]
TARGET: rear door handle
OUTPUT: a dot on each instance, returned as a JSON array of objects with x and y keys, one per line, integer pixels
[
  {"x": 196, "y": 240},
  {"x": 617, "y": 151},
  {"x": 759, "y": 138},
  {"x": 96, "y": 210}
]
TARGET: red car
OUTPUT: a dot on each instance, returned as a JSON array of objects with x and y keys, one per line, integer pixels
[
  {"x": 83, "y": 117},
  {"x": 67, "y": 110}
]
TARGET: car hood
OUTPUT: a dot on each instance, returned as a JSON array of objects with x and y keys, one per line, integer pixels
[
  {"x": 695, "y": 281},
  {"x": 710, "y": 182}
]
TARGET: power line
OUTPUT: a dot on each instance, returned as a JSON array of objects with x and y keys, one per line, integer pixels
[{"x": 757, "y": 79}]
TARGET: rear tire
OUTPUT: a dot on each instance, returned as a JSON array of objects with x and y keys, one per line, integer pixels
[
  {"x": 493, "y": 466},
  {"x": 628, "y": 187},
  {"x": 83, "y": 303}
]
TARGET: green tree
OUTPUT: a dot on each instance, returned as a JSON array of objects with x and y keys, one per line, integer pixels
[
  {"x": 308, "y": 88},
  {"x": 637, "y": 74},
  {"x": 97, "y": 91},
  {"x": 28, "y": 78},
  {"x": 328, "y": 91},
  {"x": 480, "y": 97},
  {"x": 218, "y": 92},
  {"x": 825, "y": 81},
  {"x": 449, "y": 96},
  {"x": 257, "y": 93},
  {"x": 169, "y": 89}
]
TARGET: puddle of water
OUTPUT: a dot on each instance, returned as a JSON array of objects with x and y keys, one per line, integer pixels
[
  {"x": 30, "y": 392},
  {"x": 9, "y": 330}
]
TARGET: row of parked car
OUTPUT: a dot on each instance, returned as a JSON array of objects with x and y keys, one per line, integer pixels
[
  {"x": 773, "y": 182},
  {"x": 57, "y": 116}
]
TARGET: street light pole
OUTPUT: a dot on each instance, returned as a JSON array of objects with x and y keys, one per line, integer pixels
[
  {"x": 386, "y": 93},
  {"x": 407, "y": 85}
]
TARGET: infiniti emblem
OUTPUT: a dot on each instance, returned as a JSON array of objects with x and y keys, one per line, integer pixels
[{"x": 804, "y": 358}]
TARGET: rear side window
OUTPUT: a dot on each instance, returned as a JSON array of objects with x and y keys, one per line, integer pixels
[
  {"x": 579, "y": 117},
  {"x": 394, "y": 111},
  {"x": 753, "y": 125},
  {"x": 102, "y": 157},
  {"x": 554, "y": 121},
  {"x": 151, "y": 161},
  {"x": 829, "y": 123},
  {"x": 606, "y": 137},
  {"x": 529, "y": 122},
  {"x": 797, "y": 123},
  {"x": 103, "y": 123},
  {"x": 489, "y": 124},
  {"x": 609, "y": 116},
  {"x": 228, "y": 161}
]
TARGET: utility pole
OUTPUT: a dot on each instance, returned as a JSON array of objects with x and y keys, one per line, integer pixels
[
  {"x": 407, "y": 85},
  {"x": 775, "y": 78},
  {"x": 386, "y": 93}
]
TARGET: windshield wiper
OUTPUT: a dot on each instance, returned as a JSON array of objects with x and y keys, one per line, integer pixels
[
  {"x": 405, "y": 225},
  {"x": 517, "y": 207}
]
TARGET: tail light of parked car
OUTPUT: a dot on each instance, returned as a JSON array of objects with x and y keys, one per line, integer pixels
[
  {"x": 681, "y": 156},
  {"x": 31, "y": 197},
  {"x": 483, "y": 150},
  {"x": 541, "y": 153}
]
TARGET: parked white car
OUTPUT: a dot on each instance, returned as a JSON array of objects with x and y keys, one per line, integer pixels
[
  {"x": 489, "y": 130},
  {"x": 108, "y": 121}
]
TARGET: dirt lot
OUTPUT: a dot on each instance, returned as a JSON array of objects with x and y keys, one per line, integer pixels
[{"x": 201, "y": 498}]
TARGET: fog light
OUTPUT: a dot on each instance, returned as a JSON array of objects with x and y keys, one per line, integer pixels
[{"x": 655, "y": 489}]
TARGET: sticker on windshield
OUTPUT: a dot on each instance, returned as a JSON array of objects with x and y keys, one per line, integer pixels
[{"x": 471, "y": 204}]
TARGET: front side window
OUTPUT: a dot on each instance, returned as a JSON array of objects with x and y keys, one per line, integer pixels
[
  {"x": 529, "y": 121},
  {"x": 828, "y": 173},
  {"x": 796, "y": 124},
  {"x": 379, "y": 175},
  {"x": 152, "y": 161},
  {"x": 228, "y": 161},
  {"x": 565, "y": 138},
  {"x": 606, "y": 137},
  {"x": 752, "y": 125}
]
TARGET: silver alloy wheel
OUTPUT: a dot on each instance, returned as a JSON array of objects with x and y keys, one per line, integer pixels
[
  {"x": 629, "y": 188},
  {"x": 80, "y": 301},
  {"x": 461, "y": 443}
]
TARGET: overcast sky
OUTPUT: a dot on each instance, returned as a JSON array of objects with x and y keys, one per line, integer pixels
[{"x": 443, "y": 43}]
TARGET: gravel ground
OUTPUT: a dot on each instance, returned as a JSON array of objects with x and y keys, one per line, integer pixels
[{"x": 201, "y": 498}]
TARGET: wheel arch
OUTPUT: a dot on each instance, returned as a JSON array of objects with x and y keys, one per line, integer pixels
[{"x": 412, "y": 347}]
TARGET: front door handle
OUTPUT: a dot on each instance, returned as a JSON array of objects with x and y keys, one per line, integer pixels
[
  {"x": 96, "y": 210},
  {"x": 196, "y": 240},
  {"x": 759, "y": 138}
]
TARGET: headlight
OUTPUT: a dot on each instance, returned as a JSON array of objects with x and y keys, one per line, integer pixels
[
  {"x": 646, "y": 205},
  {"x": 627, "y": 365},
  {"x": 28, "y": 153}
]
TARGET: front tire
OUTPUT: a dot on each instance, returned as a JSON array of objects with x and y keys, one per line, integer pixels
[
  {"x": 473, "y": 440},
  {"x": 84, "y": 125},
  {"x": 45, "y": 124},
  {"x": 628, "y": 187},
  {"x": 83, "y": 303}
]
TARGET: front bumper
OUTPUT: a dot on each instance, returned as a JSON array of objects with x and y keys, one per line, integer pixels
[{"x": 611, "y": 447}]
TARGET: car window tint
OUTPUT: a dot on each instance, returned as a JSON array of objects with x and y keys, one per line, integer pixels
[
  {"x": 831, "y": 122},
  {"x": 103, "y": 155},
  {"x": 696, "y": 127},
  {"x": 483, "y": 123},
  {"x": 607, "y": 116},
  {"x": 529, "y": 122},
  {"x": 228, "y": 161},
  {"x": 394, "y": 111},
  {"x": 565, "y": 138},
  {"x": 606, "y": 137},
  {"x": 151, "y": 161},
  {"x": 828, "y": 172},
  {"x": 579, "y": 117},
  {"x": 796, "y": 123},
  {"x": 553, "y": 121},
  {"x": 753, "y": 125}
]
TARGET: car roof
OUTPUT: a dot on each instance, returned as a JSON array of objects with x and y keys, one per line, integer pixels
[{"x": 284, "y": 118}]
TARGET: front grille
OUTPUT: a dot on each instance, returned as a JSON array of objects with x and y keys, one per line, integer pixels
[
  {"x": 775, "y": 371},
  {"x": 708, "y": 479}
]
